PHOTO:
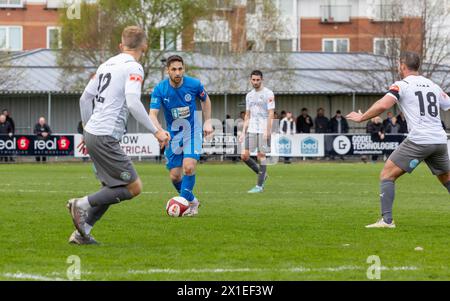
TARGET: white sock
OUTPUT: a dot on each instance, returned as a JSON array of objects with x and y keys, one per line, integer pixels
[
  {"x": 87, "y": 229},
  {"x": 84, "y": 203}
]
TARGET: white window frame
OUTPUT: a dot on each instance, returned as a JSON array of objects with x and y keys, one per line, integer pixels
[
  {"x": 8, "y": 46},
  {"x": 9, "y": 5},
  {"x": 375, "y": 40},
  {"x": 48, "y": 36},
  {"x": 335, "y": 44}
]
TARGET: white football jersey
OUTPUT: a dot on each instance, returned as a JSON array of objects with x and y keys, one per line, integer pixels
[
  {"x": 259, "y": 104},
  {"x": 119, "y": 76},
  {"x": 421, "y": 101}
]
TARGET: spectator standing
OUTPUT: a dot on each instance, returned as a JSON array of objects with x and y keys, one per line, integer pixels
[
  {"x": 13, "y": 126},
  {"x": 321, "y": 122},
  {"x": 376, "y": 129},
  {"x": 304, "y": 122},
  {"x": 287, "y": 127},
  {"x": 393, "y": 127},
  {"x": 388, "y": 120},
  {"x": 42, "y": 131},
  {"x": 10, "y": 120},
  {"x": 5, "y": 130},
  {"x": 338, "y": 124},
  {"x": 401, "y": 120}
]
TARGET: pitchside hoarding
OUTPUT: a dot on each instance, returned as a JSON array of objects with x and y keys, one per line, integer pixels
[
  {"x": 28, "y": 145},
  {"x": 134, "y": 145},
  {"x": 354, "y": 145}
]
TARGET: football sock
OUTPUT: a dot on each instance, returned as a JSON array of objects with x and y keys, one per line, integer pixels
[
  {"x": 187, "y": 186},
  {"x": 262, "y": 173},
  {"x": 252, "y": 164},
  {"x": 87, "y": 229},
  {"x": 108, "y": 196},
  {"x": 95, "y": 214},
  {"x": 448, "y": 186},
  {"x": 177, "y": 185},
  {"x": 387, "y": 199}
]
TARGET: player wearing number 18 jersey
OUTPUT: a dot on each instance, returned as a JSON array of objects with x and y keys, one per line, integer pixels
[
  {"x": 115, "y": 90},
  {"x": 420, "y": 100}
]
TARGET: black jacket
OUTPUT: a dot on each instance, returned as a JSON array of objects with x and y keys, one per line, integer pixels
[
  {"x": 6, "y": 128},
  {"x": 403, "y": 125},
  {"x": 374, "y": 129},
  {"x": 334, "y": 125},
  {"x": 302, "y": 125},
  {"x": 11, "y": 122},
  {"x": 38, "y": 130},
  {"x": 322, "y": 124}
]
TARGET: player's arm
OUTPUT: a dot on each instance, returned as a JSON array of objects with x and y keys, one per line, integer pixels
[
  {"x": 445, "y": 101},
  {"x": 382, "y": 105},
  {"x": 270, "y": 123},
  {"x": 206, "y": 108},
  {"x": 154, "y": 118},
  {"x": 245, "y": 126},
  {"x": 271, "y": 108},
  {"x": 133, "y": 88},
  {"x": 87, "y": 99}
]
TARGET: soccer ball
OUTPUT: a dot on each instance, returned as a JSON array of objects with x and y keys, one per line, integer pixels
[{"x": 177, "y": 206}]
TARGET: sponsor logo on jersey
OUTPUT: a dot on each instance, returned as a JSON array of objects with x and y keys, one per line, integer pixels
[
  {"x": 310, "y": 146},
  {"x": 136, "y": 77}
]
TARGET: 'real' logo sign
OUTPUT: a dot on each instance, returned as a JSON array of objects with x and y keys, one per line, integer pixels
[
  {"x": 61, "y": 144},
  {"x": 310, "y": 146}
]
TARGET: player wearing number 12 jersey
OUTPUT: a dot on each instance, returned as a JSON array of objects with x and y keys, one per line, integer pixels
[
  {"x": 420, "y": 100},
  {"x": 115, "y": 90}
]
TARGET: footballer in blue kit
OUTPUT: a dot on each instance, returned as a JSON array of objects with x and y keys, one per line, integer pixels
[{"x": 177, "y": 97}]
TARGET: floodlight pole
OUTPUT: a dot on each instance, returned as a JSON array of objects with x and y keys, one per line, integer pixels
[{"x": 49, "y": 109}]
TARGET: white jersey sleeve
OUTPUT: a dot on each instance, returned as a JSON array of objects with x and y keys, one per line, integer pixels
[
  {"x": 92, "y": 86},
  {"x": 270, "y": 100},
  {"x": 134, "y": 80},
  {"x": 247, "y": 102},
  {"x": 445, "y": 101}
]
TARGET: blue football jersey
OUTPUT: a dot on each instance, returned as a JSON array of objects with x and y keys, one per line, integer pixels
[{"x": 178, "y": 103}]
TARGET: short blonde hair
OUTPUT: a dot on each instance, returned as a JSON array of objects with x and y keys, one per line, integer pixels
[{"x": 133, "y": 37}]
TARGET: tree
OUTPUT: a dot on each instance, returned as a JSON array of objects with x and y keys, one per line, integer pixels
[
  {"x": 9, "y": 76},
  {"x": 95, "y": 37}
]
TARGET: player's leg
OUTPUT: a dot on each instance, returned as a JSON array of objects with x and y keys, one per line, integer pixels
[
  {"x": 188, "y": 184},
  {"x": 439, "y": 165},
  {"x": 403, "y": 160},
  {"x": 176, "y": 176},
  {"x": 245, "y": 156},
  {"x": 116, "y": 171}
]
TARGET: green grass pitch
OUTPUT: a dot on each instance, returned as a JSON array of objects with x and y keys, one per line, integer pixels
[{"x": 307, "y": 225}]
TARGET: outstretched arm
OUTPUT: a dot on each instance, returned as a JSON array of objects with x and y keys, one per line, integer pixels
[{"x": 377, "y": 108}]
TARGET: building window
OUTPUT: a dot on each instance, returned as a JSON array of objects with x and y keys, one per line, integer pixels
[
  {"x": 251, "y": 7},
  {"x": 336, "y": 45},
  {"x": 251, "y": 45},
  {"x": 270, "y": 46},
  {"x": 11, "y": 3},
  {"x": 170, "y": 40},
  {"x": 387, "y": 46},
  {"x": 285, "y": 45},
  {"x": 54, "y": 38},
  {"x": 335, "y": 13},
  {"x": 11, "y": 38},
  {"x": 213, "y": 48},
  {"x": 387, "y": 11},
  {"x": 286, "y": 7}
]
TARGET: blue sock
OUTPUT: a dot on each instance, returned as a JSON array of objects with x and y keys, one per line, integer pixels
[
  {"x": 177, "y": 186},
  {"x": 187, "y": 187}
]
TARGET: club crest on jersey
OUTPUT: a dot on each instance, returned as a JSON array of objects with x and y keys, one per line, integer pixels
[{"x": 188, "y": 97}]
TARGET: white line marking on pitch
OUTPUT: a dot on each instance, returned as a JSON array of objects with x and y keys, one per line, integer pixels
[
  {"x": 24, "y": 276},
  {"x": 248, "y": 270}
]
